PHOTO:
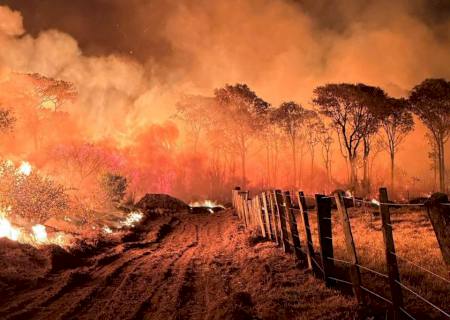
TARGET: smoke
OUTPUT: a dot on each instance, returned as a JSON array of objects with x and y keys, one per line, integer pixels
[{"x": 130, "y": 75}]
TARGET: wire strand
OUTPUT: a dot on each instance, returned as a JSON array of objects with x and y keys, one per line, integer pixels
[
  {"x": 373, "y": 271},
  {"x": 422, "y": 298},
  {"x": 376, "y": 294},
  {"x": 420, "y": 267}
]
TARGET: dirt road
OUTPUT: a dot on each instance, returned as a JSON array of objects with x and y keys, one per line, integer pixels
[{"x": 195, "y": 267}]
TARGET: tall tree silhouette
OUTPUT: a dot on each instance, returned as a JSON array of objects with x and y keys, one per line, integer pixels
[
  {"x": 243, "y": 113},
  {"x": 430, "y": 101}
]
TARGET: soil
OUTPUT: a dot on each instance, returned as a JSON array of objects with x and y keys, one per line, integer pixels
[{"x": 187, "y": 266}]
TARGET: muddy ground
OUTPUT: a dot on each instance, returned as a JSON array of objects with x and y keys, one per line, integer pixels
[{"x": 185, "y": 267}]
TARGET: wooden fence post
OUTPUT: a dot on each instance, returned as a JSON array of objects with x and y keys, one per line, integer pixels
[
  {"x": 355, "y": 274},
  {"x": 267, "y": 216},
  {"x": 391, "y": 259},
  {"x": 260, "y": 216},
  {"x": 282, "y": 219},
  {"x": 323, "y": 205},
  {"x": 307, "y": 232},
  {"x": 245, "y": 209},
  {"x": 275, "y": 218},
  {"x": 439, "y": 215},
  {"x": 292, "y": 222}
]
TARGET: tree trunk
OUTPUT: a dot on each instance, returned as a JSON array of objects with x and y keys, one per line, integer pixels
[
  {"x": 312, "y": 166},
  {"x": 353, "y": 173},
  {"x": 294, "y": 162},
  {"x": 366, "y": 183},
  {"x": 243, "y": 169},
  {"x": 441, "y": 166},
  {"x": 392, "y": 172}
]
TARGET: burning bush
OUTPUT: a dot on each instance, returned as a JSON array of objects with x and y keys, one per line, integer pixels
[
  {"x": 114, "y": 186},
  {"x": 29, "y": 195}
]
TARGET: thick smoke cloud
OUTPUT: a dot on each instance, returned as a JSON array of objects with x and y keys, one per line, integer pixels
[{"x": 131, "y": 59}]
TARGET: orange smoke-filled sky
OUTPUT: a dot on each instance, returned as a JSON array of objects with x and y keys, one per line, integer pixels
[{"x": 130, "y": 60}]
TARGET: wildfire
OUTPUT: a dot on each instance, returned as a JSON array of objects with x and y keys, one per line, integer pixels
[
  {"x": 7, "y": 230},
  {"x": 107, "y": 229},
  {"x": 39, "y": 233},
  {"x": 209, "y": 204},
  {"x": 25, "y": 168},
  {"x": 132, "y": 218}
]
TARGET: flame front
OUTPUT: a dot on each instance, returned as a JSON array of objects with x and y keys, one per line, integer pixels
[
  {"x": 132, "y": 218},
  {"x": 39, "y": 233},
  {"x": 375, "y": 202},
  {"x": 25, "y": 168},
  {"x": 7, "y": 230}
]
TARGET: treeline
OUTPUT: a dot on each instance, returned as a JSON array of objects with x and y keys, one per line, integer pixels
[{"x": 357, "y": 120}]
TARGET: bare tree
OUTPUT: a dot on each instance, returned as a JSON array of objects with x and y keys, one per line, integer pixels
[
  {"x": 326, "y": 142},
  {"x": 290, "y": 117},
  {"x": 349, "y": 107},
  {"x": 7, "y": 120},
  {"x": 314, "y": 130},
  {"x": 195, "y": 111},
  {"x": 242, "y": 116},
  {"x": 396, "y": 123},
  {"x": 52, "y": 93},
  {"x": 430, "y": 101}
]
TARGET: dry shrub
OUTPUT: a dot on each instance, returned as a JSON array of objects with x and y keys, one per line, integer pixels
[{"x": 32, "y": 197}]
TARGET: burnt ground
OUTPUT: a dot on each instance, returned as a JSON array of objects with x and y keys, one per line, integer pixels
[{"x": 186, "y": 267}]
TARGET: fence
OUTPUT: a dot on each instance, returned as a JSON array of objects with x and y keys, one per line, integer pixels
[{"x": 273, "y": 213}]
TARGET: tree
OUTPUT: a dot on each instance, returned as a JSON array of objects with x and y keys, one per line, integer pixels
[
  {"x": 315, "y": 129},
  {"x": 242, "y": 114},
  {"x": 195, "y": 112},
  {"x": 350, "y": 108},
  {"x": 290, "y": 117},
  {"x": 396, "y": 122},
  {"x": 430, "y": 101},
  {"x": 327, "y": 143},
  {"x": 7, "y": 120},
  {"x": 52, "y": 93},
  {"x": 114, "y": 187}
]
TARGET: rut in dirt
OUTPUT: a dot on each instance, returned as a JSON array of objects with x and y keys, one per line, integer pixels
[{"x": 199, "y": 266}]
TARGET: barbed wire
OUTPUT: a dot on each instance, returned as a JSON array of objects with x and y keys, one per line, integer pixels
[
  {"x": 373, "y": 271},
  {"x": 376, "y": 294},
  {"x": 420, "y": 267},
  {"x": 406, "y": 313},
  {"x": 340, "y": 280},
  {"x": 422, "y": 298}
]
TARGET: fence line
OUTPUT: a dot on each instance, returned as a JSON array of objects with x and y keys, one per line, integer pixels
[{"x": 273, "y": 214}]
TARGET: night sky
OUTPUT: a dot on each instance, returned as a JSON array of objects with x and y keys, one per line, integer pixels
[{"x": 123, "y": 26}]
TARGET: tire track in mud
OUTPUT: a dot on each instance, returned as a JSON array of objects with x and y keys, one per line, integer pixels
[
  {"x": 42, "y": 302},
  {"x": 168, "y": 278}
]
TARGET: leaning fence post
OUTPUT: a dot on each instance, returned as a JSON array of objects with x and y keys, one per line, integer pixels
[
  {"x": 323, "y": 205},
  {"x": 275, "y": 218},
  {"x": 307, "y": 232},
  {"x": 355, "y": 274},
  {"x": 282, "y": 219},
  {"x": 292, "y": 222},
  {"x": 391, "y": 259},
  {"x": 267, "y": 216},
  {"x": 245, "y": 209},
  {"x": 260, "y": 215},
  {"x": 439, "y": 215}
]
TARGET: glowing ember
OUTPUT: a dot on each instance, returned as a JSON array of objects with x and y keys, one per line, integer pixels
[
  {"x": 107, "y": 229},
  {"x": 206, "y": 203},
  {"x": 348, "y": 194},
  {"x": 7, "y": 230},
  {"x": 25, "y": 168},
  {"x": 39, "y": 233},
  {"x": 132, "y": 218},
  {"x": 375, "y": 202},
  {"x": 209, "y": 204}
]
